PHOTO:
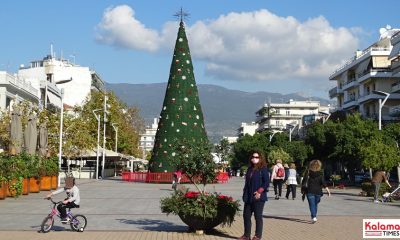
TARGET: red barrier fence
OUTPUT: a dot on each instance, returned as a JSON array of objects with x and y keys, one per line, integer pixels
[{"x": 222, "y": 177}]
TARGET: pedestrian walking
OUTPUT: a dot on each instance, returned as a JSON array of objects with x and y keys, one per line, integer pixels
[
  {"x": 255, "y": 194},
  {"x": 291, "y": 181},
  {"x": 176, "y": 179},
  {"x": 277, "y": 178},
  {"x": 378, "y": 178},
  {"x": 312, "y": 185}
]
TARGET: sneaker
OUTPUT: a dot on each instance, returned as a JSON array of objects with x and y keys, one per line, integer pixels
[
  {"x": 314, "y": 220},
  {"x": 256, "y": 238},
  {"x": 244, "y": 238},
  {"x": 64, "y": 220},
  {"x": 376, "y": 201}
]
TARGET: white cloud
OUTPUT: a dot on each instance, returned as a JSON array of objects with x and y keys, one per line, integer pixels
[
  {"x": 120, "y": 28},
  {"x": 252, "y": 46}
]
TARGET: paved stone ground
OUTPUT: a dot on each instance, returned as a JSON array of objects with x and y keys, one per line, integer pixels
[{"x": 122, "y": 210}]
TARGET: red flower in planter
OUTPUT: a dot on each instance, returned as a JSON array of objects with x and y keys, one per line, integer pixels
[
  {"x": 225, "y": 197},
  {"x": 192, "y": 194}
]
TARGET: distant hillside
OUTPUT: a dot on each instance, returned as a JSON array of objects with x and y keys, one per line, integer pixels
[{"x": 224, "y": 109}]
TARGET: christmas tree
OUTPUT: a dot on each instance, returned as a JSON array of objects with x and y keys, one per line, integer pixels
[{"x": 181, "y": 117}]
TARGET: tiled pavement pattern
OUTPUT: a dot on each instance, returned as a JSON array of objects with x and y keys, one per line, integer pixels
[{"x": 121, "y": 210}]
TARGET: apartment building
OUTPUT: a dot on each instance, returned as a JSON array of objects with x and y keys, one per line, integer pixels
[
  {"x": 394, "y": 57},
  {"x": 15, "y": 90},
  {"x": 361, "y": 81},
  {"x": 247, "y": 128},
  {"x": 277, "y": 117},
  {"x": 146, "y": 142},
  {"x": 51, "y": 74}
]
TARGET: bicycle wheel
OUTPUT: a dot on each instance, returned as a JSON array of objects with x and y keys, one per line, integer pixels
[
  {"x": 78, "y": 223},
  {"x": 47, "y": 224}
]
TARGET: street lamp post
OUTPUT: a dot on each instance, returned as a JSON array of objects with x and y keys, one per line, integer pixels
[
  {"x": 291, "y": 128},
  {"x": 115, "y": 126},
  {"x": 98, "y": 141},
  {"x": 104, "y": 135},
  {"x": 61, "y": 128},
  {"x": 327, "y": 115},
  {"x": 271, "y": 136},
  {"x": 381, "y": 103}
]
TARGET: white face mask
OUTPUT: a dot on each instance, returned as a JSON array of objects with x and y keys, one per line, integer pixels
[{"x": 255, "y": 160}]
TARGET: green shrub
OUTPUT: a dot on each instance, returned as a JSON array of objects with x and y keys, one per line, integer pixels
[{"x": 369, "y": 188}]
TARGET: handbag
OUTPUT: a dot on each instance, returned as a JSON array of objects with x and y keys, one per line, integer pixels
[{"x": 304, "y": 184}]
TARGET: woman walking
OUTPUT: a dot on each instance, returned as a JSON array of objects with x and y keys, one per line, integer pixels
[
  {"x": 291, "y": 181},
  {"x": 314, "y": 182},
  {"x": 255, "y": 194},
  {"x": 277, "y": 178}
]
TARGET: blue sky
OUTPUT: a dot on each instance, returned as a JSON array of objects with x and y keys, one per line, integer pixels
[{"x": 280, "y": 46}]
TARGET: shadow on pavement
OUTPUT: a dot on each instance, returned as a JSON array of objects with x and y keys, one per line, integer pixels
[
  {"x": 289, "y": 219},
  {"x": 155, "y": 225},
  {"x": 160, "y": 225},
  {"x": 218, "y": 233},
  {"x": 346, "y": 194}
]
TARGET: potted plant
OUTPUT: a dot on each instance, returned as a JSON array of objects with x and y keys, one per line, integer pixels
[
  {"x": 35, "y": 172},
  {"x": 3, "y": 193},
  {"x": 13, "y": 168},
  {"x": 51, "y": 166},
  {"x": 199, "y": 209}
]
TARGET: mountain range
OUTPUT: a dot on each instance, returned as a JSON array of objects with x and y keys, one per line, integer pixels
[{"x": 224, "y": 109}]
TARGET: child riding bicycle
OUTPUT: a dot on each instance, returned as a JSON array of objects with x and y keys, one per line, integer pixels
[{"x": 73, "y": 198}]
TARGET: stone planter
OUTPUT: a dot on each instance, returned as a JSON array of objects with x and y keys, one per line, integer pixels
[
  {"x": 54, "y": 182},
  {"x": 11, "y": 192},
  {"x": 25, "y": 186},
  {"x": 199, "y": 223},
  {"x": 34, "y": 185},
  {"x": 45, "y": 183},
  {"x": 3, "y": 193}
]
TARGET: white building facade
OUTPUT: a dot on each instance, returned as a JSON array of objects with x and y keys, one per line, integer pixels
[
  {"x": 147, "y": 138},
  {"x": 247, "y": 128},
  {"x": 394, "y": 57},
  {"x": 365, "y": 73},
  {"x": 15, "y": 90},
  {"x": 276, "y": 117},
  {"x": 51, "y": 74}
]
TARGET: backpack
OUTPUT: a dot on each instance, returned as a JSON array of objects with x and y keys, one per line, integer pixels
[{"x": 280, "y": 172}]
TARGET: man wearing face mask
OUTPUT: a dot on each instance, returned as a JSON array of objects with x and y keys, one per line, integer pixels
[{"x": 255, "y": 194}]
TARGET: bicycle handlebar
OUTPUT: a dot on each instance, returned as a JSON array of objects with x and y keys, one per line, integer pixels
[{"x": 49, "y": 198}]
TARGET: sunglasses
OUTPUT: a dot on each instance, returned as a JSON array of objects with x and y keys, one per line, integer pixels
[{"x": 255, "y": 156}]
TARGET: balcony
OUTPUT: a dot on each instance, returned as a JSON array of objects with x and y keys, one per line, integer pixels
[
  {"x": 350, "y": 84},
  {"x": 334, "y": 92},
  {"x": 352, "y": 61},
  {"x": 374, "y": 73},
  {"x": 352, "y": 102}
]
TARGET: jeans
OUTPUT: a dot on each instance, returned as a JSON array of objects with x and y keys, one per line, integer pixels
[
  {"x": 313, "y": 200},
  {"x": 278, "y": 186},
  {"x": 377, "y": 186},
  {"x": 291, "y": 188},
  {"x": 257, "y": 207}
]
